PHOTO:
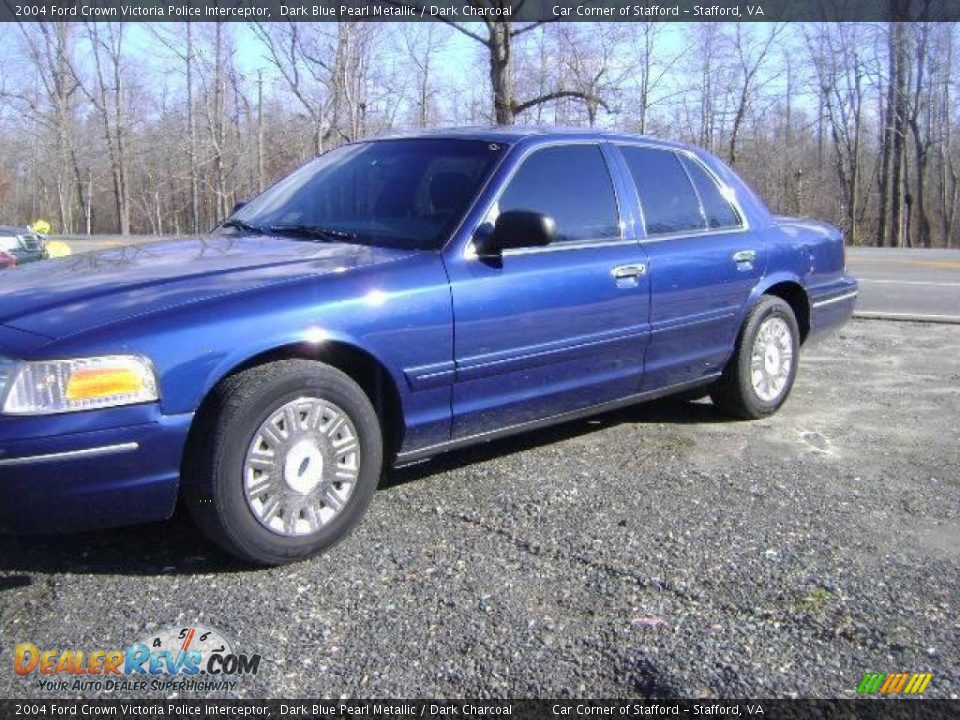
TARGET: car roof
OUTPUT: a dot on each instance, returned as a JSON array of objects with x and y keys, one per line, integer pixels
[
  {"x": 511, "y": 134},
  {"x": 12, "y": 230}
]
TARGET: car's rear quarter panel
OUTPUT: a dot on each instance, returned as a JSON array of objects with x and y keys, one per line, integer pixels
[{"x": 814, "y": 251}]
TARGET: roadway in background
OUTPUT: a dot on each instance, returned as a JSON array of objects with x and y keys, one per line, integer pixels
[{"x": 907, "y": 284}]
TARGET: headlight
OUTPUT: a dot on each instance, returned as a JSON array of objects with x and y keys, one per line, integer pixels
[
  {"x": 6, "y": 370},
  {"x": 61, "y": 386}
]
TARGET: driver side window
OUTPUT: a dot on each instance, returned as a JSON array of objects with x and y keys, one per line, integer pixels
[{"x": 571, "y": 184}]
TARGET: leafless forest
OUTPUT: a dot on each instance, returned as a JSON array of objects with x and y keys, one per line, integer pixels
[{"x": 160, "y": 128}]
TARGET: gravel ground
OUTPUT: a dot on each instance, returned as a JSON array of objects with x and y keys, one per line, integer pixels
[{"x": 658, "y": 551}]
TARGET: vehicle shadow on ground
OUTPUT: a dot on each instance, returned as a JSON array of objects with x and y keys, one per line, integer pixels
[
  {"x": 668, "y": 411},
  {"x": 176, "y": 547}
]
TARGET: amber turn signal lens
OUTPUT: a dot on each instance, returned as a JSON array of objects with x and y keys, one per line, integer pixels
[{"x": 89, "y": 384}]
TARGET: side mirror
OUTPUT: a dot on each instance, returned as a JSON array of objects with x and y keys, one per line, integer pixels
[
  {"x": 237, "y": 206},
  {"x": 516, "y": 229}
]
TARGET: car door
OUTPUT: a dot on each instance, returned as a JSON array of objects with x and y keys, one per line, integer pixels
[
  {"x": 548, "y": 330},
  {"x": 703, "y": 263}
]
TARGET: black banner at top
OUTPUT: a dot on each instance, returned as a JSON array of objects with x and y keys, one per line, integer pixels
[{"x": 461, "y": 11}]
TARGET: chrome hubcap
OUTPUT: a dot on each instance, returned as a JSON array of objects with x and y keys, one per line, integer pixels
[
  {"x": 301, "y": 466},
  {"x": 772, "y": 359}
]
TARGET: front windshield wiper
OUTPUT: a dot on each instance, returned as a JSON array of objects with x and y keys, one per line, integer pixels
[
  {"x": 314, "y": 232},
  {"x": 241, "y": 225}
]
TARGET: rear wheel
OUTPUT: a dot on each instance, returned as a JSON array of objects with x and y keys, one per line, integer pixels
[
  {"x": 285, "y": 461},
  {"x": 760, "y": 374}
]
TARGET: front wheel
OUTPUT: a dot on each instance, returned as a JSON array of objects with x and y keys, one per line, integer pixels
[
  {"x": 284, "y": 462},
  {"x": 760, "y": 374}
]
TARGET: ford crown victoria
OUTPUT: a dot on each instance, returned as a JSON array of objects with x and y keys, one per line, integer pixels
[{"x": 389, "y": 301}]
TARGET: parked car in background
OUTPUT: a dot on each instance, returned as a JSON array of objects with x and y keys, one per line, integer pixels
[
  {"x": 23, "y": 244},
  {"x": 7, "y": 260},
  {"x": 389, "y": 301}
]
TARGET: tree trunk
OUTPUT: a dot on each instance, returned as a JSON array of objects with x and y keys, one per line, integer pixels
[
  {"x": 501, "y": 81},
  {"x": 899, "y": 132},
  {"x": 918, "y": 126},
  {"x": 261, "y": 169},
  {"x": 121, "y": 132},
  {"x": 886, "y": 151},
  {"x": 219, "y": 124},
  {"x": 192, "y": 140}
]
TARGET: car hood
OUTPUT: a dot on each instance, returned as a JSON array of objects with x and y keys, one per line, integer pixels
[{"x": 60, "y": 297}]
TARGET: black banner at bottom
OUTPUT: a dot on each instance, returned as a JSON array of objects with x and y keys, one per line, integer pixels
[{"x": 881, "y": 709}]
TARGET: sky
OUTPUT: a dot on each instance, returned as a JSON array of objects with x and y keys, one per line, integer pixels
[{"x": 459, "y": 64}]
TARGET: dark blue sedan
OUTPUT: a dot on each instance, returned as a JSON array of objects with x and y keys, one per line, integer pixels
[{"x": 389, "y": 301}]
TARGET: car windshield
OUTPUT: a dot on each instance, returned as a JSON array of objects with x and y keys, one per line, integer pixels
[
  {"x": 395, "y": 193},
  {"x": 9, "y": 242}
]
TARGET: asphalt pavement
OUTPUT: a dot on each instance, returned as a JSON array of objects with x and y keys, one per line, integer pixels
[
  {"x": 661, "y": 550},
  {"x": 914, "y": 284}
]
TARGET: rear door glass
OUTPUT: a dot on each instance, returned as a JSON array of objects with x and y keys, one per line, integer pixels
[
  {"x": 719, "y": 211},
  {"x": 668, "y": 200}
]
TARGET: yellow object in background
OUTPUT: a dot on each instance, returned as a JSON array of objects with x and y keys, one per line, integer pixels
[
  {"x": 41, "y": 227},
  {"x": 57, "y": 249}
]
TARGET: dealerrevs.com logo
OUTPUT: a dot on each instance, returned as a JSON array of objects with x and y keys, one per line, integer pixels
[{"x": 193, "y": 658}]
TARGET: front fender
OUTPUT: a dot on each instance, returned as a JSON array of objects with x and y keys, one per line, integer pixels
[{"x": 307, "y": 342}]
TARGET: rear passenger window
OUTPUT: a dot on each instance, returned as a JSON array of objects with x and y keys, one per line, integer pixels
[
  {"x": 669, "y": 202},
  {"x": 572, "y": 185},
  {"x": 719, "y": 212}
]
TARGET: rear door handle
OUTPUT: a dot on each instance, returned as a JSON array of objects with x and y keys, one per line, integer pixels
[
  {"x": 743, "y": 256},
  {"x": 624, "y": 272}
]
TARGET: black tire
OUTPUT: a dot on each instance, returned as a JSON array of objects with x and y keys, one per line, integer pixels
[
  {"x": 213, "y": 469},
  {"x": 733, "y": 393}
]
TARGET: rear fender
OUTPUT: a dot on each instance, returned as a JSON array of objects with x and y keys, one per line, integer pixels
[{"x": 767, "y": 282}]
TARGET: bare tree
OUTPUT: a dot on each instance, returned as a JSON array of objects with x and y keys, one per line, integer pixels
[
  {"x": 948, "y": 175},
  {"x": 896, "y": 131},
  {"x": 498, "y": 39},
  {"x": 297, "y": 53},
  {"x": 48, "y": 46},
  {"x": 839, "y": 77},
  {"x": 752, "y": 54},
  {"x": 649, "y": 67},
  {"x": 421, "y": 44},
  {"x": 98, "y": 135},
  {"x": 587, "y": 56},
  {"x": 106, "y": 93}
]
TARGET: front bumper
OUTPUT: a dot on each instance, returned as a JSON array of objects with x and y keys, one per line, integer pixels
[{"x": 89, "y": 470}]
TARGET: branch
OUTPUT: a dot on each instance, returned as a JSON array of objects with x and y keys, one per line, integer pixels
[
  {"x": 556, "y": 95},
  {"x": 531, "y": 26},
  {"x": 469, "y": 33}
]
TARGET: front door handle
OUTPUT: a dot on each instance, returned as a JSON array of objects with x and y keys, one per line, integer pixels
[
  {"x": 743, "y": 256},
  {"x": 625, "y": 272}
]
